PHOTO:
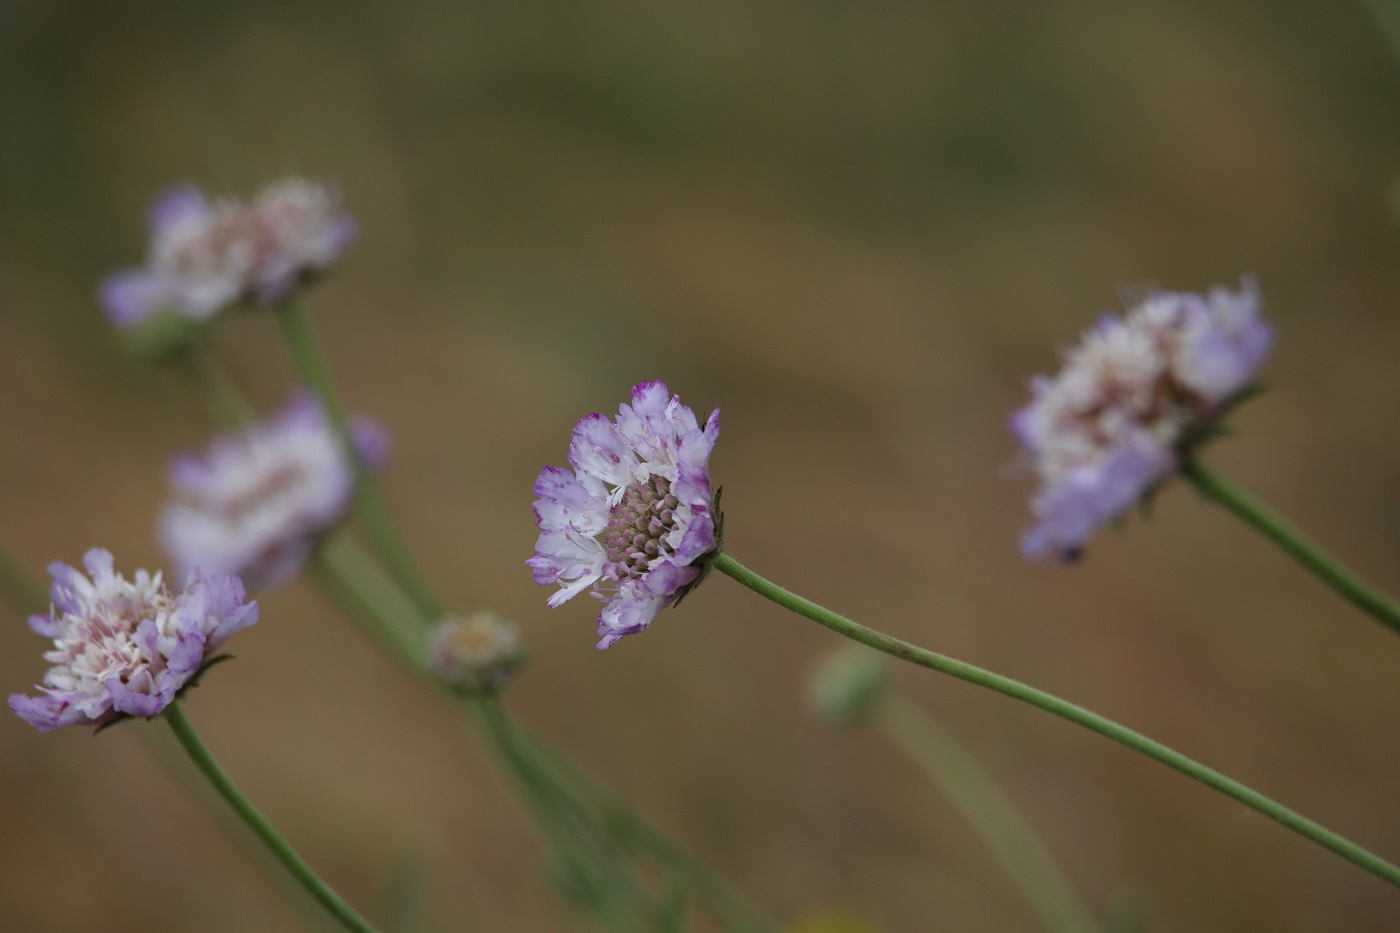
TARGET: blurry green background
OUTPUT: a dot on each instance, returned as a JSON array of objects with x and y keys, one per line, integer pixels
[{"x": 856, "y": 227}]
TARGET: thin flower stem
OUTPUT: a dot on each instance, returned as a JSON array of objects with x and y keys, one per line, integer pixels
[
  {"x": 369, "y": 501},
  {"x": 1259, "y": 517},
  {"x": 1387, "y": 16},
  {"x": 25, "y": 597},
  {"x": 725, "y": 900},
  {"x": 974, "y": 794},
  {"x": 323, "y": 893},
  {"x": 348, "y": 575},
  {"x": 905, "y": 651},
  {"x": 220, "y": 396},
  {"x": 607, "y": 886}
]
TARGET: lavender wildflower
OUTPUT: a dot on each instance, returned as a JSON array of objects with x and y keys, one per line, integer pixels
[
  {"x": 302, "y": 232},
  {"x": 636, "y": 519},
  {"x": 126, "y": 647},
  {"x": 1130, "y": 401},
  {"x": 480, "y": 652},
  {"x": 257, "y": 502},
  {"x": 202, "y": 254},
  {"x": 209, "y": 255}
]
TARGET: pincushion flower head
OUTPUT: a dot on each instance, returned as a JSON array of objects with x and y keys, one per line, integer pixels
[
  {"x": 1133, "y": 398},
  {"x": 256, "y": 502},
  {"x": 635, "y": 519},
  {"x": 207, "y": 255},
  {"x": 126, "y": 647}
]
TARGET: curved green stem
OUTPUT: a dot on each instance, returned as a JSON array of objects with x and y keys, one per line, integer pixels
[
  {"x": 1259, "y": 517},
  {"x": 369, "y": 501},
  {"x": 322, "y": 892},
  {"x": 973, "y": 793},
  {"x": 1065, "y": 710}
]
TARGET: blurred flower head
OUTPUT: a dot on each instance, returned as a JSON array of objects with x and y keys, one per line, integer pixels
[
  {"x": 301, "y": 231},
  {"x": 126, "y": 647},
  {"x": 257, "y": 501},
  {"x": 208, "y": 255},
  {"x": 1132, "y": 398},
  {"x": 480, "y": 652},
  {"x": 636, "y": 518}
]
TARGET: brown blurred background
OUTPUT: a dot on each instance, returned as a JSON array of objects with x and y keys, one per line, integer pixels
[{"x": 858, "y": 228}]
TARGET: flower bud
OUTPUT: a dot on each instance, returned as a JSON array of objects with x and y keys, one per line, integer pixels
[
  {"x": 847, "y": 684},
  {"x": 475, "y": 654}
]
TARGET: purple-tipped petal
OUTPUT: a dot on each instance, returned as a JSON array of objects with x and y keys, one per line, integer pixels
[
  {"x": 177, "y": 206},
  {"x": 1133, "y": 396},
  {"x": 132, "y": 296},
  {"x": 144, "y": 705},
  {"x": 124, "y": 646},
  {"x": 255, "y": 503},
  {"x": 635, "y": 519}
]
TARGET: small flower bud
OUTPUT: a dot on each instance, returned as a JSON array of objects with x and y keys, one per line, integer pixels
[
  {"x": 847, "y": 684},
  {"x": 480, "y": 652}
]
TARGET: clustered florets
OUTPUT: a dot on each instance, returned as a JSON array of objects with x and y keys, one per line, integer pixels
[
  {"x": 126, "y": 647},
  {"x": 1131, "y": 399},
  {"x": 477, "y": 653},
  {"x": 636, "y": 518},
  {"x": 257, "y": 501},
  {"x": 207, "y": 255}
]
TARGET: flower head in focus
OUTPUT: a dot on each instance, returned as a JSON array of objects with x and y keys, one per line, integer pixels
[
  {"x": 126, "y": 647},
  {"x": 256, "y": 502},
  {"x": 480, "y": 652},
  {"x": 636, "y": 519},
  {"x": 207, "y": 255},
  {"x": 1134, "y": 395}
]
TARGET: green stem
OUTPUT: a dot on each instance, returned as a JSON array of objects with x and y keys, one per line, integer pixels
[
  {"x": 638, "y": 836},
  {"x": 348, "y": 575},
  {"x": 1387, "y": 16},
  {"x": 220, "y": 396},
  {"x": 350, "y": 578},
  {"x": 974, "y": 794},
  {"x": 1078, "y": 715},
  {"x": 369, "y": 501},
  {"x": 1259, "y": 517},
  {"x": 323, "y": 893},
  {"x": 26, "y": 597},
  {"x": 606, "y": 884}
]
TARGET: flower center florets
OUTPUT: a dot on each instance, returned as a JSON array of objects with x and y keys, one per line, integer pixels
[
  {"x": 101, "y": 642},
  {"x": 638, "y": 527}
]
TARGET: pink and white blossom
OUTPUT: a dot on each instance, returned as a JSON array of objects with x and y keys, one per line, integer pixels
[
  {"x": 635, "y": 520},
  {"x": 1131, "y": 397},
  {"x": 207, "y": 255},
  {"x": 126, "y": 647},
  {"x": 257, "y": 501}
]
